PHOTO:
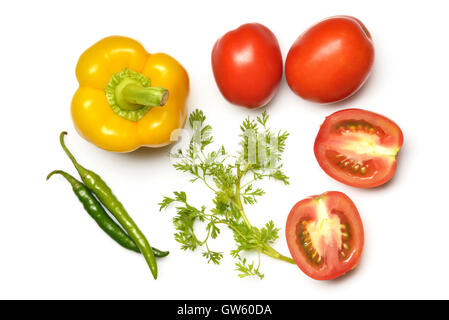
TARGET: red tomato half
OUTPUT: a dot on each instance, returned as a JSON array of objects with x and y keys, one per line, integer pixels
[
  {"x": 358, "y": 147},
  {"x": 331, "y": 60},
  {"x": 325, "y": 235},
  {"x": 247, "y": 65}
]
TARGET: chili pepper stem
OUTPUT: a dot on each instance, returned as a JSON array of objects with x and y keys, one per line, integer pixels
[
  {"x": 61, "y": 173},
  {"x": 78, "y": 167}
]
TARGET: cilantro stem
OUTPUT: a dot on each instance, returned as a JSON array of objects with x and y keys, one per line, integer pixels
[
  {"x": 238, "y": 199},
  {"x": 248, "y": 183},
  {"x": 207, "y": 185},
  {"x": 205, "y": 240},
  {"x": 267, "y": 250},
  {"x": 271, "y": 252}
]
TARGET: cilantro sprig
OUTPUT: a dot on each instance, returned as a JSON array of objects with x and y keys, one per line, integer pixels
[{"x": 232, "y": 179}]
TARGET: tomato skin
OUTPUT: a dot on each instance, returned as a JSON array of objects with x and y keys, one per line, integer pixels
[
  {"x": 335, "y": 265},
  {"x": 330, "y": 61},
  {"x": 247, "y": 65},
  {"x": 388, "y": 134}
]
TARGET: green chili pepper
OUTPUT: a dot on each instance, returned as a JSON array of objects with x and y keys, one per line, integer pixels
[
  {"x": 97, "y": 185},
  {"x": 104, "y": 221}
]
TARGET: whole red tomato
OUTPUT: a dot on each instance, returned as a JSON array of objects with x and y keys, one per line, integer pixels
[
  {"x": 331, "y": 60},
  {"x": 247, "y": 65}
]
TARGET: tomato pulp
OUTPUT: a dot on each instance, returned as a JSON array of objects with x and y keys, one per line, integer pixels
[
  {"x": 330, "y": 61},
  {"x": 325, "y": 235},
  {"x": 247, "y": 65},
  {"x": 358, "y": 147}
]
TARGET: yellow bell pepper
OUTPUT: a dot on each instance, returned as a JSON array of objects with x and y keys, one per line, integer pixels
[{"x": 128, "y": 98}]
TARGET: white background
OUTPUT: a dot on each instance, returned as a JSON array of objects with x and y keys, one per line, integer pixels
[{"x": 50, "y": 248}]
